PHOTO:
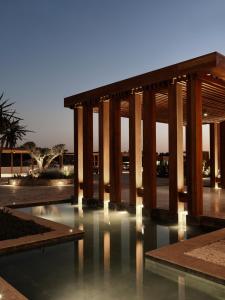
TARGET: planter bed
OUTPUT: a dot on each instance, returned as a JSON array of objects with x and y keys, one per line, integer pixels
[
  {"x": 39, "y": 182},
  {"x": 56, "y": 233},
  {"x": 13, "y": 227}
]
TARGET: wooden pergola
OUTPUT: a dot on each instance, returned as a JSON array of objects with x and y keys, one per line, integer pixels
[
  {"x": 190, "y": 93},
  {"x": 12, "y": 152}
]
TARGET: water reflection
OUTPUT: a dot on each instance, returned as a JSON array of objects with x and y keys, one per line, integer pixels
[
  {"x": 52, "y": 210},
  {"x": 125, "y": 244},
  {"x": 109, "y": 262},
  {"x": 96, "y": 242},
  {"x": 106, "y": 246},
  {"x": 181, "y": 287},
  {"x": 139, "y": 267}
]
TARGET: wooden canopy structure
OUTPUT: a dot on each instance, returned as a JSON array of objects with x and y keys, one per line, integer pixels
[{"x": 190, "y": 93}]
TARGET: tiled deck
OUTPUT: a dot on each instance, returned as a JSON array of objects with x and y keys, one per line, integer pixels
[{"x": 178, "y": 256}]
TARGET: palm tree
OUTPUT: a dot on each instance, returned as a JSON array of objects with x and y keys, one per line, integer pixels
[{"x": 11, "y": 131}]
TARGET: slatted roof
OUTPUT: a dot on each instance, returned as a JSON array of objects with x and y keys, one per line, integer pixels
[{"x": 210, "y": 67}]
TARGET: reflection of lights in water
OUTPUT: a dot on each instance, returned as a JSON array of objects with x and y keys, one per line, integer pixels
[
  {"x": 181, "y": 287},
  {"x": 182, "y": 221},
  {"x": 139, "y": 219},
  {"x": 139, "y": 266}
]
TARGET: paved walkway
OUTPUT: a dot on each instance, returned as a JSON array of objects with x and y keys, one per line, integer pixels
[
  {"x": 214, "y": 200},
  {"x": 33, "y": 194}
]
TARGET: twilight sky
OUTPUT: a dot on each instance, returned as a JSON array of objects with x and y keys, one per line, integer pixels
[{"x": 50, "y": 49}]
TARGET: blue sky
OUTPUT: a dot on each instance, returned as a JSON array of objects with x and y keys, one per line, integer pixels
[{"x": 51, "y": 49}]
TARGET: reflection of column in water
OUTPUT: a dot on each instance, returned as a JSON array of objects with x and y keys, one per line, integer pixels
[
  {"x": 106, "y": 254},
  {"x": 38, "y": 210},
  {"x": 96, "y": 241},
  {"x": 181, "y": 288},
  {"x": 125, "y": 244},
  {"x": 139, "y": 267},
  {"x": 81, "y": 258}
]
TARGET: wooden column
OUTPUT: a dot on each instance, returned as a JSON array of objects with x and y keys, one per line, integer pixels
[
  {"x": 149, "y": 150},
  {"x": 194, "y": 147},
  {"x": 21, "y": 163},
  {"x": 115, "y": 151},
  {"x": 12, "y": 162},
  {"x": 78, "y": 152},
  {"x": 135, "y": 153},
  {"x": 103, "y": 149},
  {"x": 222, "y": 151},
  {"x": 214, "y": 153},
  {"x": 176, "y": 163},
  {"x": 88, "y": 151}
]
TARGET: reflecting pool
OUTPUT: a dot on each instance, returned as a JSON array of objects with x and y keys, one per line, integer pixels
[{"x": 108, "y": 263}]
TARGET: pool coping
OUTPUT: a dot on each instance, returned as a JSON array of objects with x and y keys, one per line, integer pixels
[
  {"x": 59, "y": 233},
  {"x": 174, "y": 256},
  {"x": 9, "y": 292}
]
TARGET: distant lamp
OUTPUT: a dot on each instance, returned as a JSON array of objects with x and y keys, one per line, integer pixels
[{"x": 205, "y": 114}]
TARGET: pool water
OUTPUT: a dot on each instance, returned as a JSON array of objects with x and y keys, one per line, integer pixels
[{"x": 108, "y": 263}]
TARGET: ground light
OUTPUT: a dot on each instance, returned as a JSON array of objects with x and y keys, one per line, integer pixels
[
  {"x": 182, "y": 221},
  {"x": 139, "y": 224}
]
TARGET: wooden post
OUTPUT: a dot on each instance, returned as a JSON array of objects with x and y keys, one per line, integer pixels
[
  {"x": 214, "y": 154},
  {"x": 149, "y": 150},
  {"x": 78, "y": 152},
  {"x": 135, "y": 152},
  {"x": 222, "y": 151},
  {"x": 176, "y": 163},
  {"x": 12, "y": 162},
  {"x": 88, "y": 151},
  {"x": 21, "y": 163},
  {"x": 115, "y": 151},
  {"x": 103, "y": 149},
  {"x": 194, "y": 146}
]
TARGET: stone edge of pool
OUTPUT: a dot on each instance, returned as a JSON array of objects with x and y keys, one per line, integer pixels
[
  {"x": 59, "y": 233},
  {"x": 174, "y": 256},
  {"x": 8, "y": 292}
]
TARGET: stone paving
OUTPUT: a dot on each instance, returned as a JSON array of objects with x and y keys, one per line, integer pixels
[{"x": 214, "y": 199}]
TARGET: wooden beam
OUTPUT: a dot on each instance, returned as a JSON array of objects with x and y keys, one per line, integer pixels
[
  {"x": 214, "y": 154},
  {"x": 149, "y": 150},
  {"x": 135, "y": 151},
  {"x": 115, "y": 151},
  {"x": 88, "y": 151},
  {"x": 194, "y": 146},
  {"x": 176, "y": 163},
  {"x": 222, "y": 151},
  {"x": 78, "y": 152},
  {"x": 103, "y": 149}
]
